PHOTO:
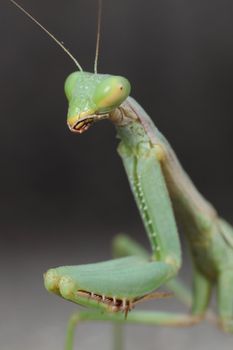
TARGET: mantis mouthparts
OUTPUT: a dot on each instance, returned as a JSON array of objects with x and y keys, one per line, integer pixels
[{"x": 83, "y": 124}]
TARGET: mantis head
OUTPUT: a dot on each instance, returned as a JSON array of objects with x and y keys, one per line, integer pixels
[{"x": 93, "y": 97}]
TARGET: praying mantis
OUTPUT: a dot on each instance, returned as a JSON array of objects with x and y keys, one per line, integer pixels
[{"x": 165, "y": 196}]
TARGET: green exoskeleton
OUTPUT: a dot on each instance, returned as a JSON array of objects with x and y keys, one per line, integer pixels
[{"x": 164, "y": 195}]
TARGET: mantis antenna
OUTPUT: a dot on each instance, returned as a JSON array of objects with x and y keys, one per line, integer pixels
[
  {"x": 98, "y": 35},
  {"x": 49, "y": 34}
]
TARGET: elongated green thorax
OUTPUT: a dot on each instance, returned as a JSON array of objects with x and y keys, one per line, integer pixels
[{"x": 92, "y": 97}]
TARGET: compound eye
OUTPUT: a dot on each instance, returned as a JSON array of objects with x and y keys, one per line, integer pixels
[{"x": 110, "y": 93}]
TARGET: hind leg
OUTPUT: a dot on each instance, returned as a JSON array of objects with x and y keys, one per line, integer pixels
[
  {"x": 123, "y": 245},
  {"x": 225, "y": 300},
  {"x": 201, "y": 293}
]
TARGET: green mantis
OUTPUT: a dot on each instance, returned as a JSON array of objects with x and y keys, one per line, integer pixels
[
  {"x": 164, "y": 195},
  {"x": 163, "y": 192}
]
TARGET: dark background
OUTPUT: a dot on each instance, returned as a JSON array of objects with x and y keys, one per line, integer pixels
[{"x": 63, "y": 196}]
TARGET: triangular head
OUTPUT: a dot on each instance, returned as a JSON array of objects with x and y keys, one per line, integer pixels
[{"x": 92, "y": 97}]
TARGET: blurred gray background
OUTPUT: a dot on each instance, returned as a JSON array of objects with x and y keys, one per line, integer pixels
[{"x": 63, "y": 196}]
